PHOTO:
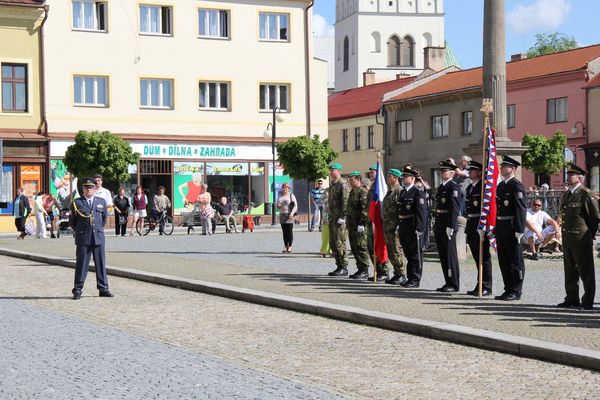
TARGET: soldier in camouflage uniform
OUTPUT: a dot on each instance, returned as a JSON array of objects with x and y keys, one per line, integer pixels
[
  {"x": 391, "y": 210},
  {"x": 357, "y": 217},
  {"x": 382, "y": 269},
  {"x": 338, "y": 201}
]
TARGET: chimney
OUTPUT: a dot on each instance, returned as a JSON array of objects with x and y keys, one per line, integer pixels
[
  {"x": 435, "y": 58},
  {"x": 368, "y": 78},
  {"x": 400, "y": 76},
  {"x": 518, "y": 57}
]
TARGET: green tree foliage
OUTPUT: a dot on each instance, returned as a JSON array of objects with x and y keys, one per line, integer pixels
[
  {"x": 545, "y": 155},
  {"x": 100, "y": 153},
  {"x": 306, "y": 158},
  {"x": 551, "y": 42}
]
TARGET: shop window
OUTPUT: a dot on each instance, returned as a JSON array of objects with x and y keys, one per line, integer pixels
[
  {"x": 7, "y": 192},
  {"x": 14, "y": 88},
  {"x": 62, "y": 184},
  {"x": 30, "y": 179},
  {"x": 229, "y": 179},
  {"x": 187, "y": 178},
  {"x": 257, "y": 188}
]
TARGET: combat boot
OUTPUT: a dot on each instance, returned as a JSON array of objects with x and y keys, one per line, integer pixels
[
  {"x": 362, "y": 275},
  {"x": 339, "y": 272}
]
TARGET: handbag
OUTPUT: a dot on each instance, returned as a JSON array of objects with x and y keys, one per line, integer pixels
[
  {"x": 122, "y": 220},
  {"x": 292, "y": 203},
  {"x": 29, "y": 227}
]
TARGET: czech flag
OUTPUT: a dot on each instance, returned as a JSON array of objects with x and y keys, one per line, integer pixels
[
  {"x": 487, "y": 221},
  {"x": 375, "y": 214}
]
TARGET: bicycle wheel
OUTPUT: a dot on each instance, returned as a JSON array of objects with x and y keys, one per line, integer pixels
[
  {"x": 169, "y": 226},
  {"x": 143, "y": 226}
]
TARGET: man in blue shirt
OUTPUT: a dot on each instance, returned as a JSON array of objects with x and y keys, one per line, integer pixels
[{"x": 316, "y": 202}]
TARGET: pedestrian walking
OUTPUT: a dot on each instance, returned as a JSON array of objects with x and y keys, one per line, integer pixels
[
  {"x": 121, "y": 204},
  {"x": 473, "y": 208},
  {"x": 448, "y": 205},
  {"x": 88, "y": 218},
  {"x": 161, "y": 205},
  {"x": 21, "y": 211},
  {"x": 140, "y": 202},
  {"x": 287, "y": 206},
  {"x": 412, "y": 226},
  {"x": 391, "y": 221},
  {"x": 316, "y": 204},
  {"x": 357, "y": 218},
  {"x": 580, "y": 217},
  {"x": 510, "y": 227},
  {"x": 51, "y": 206},
  {"x": 338, "y": 201},
  {"x": 325, "y": 249},
  {"x": 40, "y": 215}
]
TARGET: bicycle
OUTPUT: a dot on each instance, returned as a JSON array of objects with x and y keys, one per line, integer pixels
[{"x": 147, "y": 224}]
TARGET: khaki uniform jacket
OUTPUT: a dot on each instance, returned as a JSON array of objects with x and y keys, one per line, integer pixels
[
  {"x": 338, "y": 200},
  {"x": 580, "y": 216}
]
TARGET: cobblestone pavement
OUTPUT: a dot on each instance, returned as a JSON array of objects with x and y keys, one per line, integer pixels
[
  {"x": 157, "y": 342},
  {"x": 254, "y": 260}
]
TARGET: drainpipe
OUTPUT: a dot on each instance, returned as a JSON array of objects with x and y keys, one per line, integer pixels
[
  {"x": 43, "y": 87},
  {"x": 307, "y": 61}
]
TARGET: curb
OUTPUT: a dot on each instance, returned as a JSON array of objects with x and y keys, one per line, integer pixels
[{"x": 472, "y": 337}]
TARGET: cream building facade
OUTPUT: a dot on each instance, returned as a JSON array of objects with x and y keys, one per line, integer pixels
[{"x": 190, "y": 85}]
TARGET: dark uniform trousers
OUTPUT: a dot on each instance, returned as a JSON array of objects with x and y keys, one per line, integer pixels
[
  {"x": 83, "y": 254},
  {"x": 448, "y": 202},
  {"x": 473, "y": 209},
  {"x": 510, "y": 219},
  {"x": 412, "y": 249},
  {"x": 579, "y": 263}
]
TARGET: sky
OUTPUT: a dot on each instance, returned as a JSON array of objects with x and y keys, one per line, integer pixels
[{"x": 524, "y": 18}]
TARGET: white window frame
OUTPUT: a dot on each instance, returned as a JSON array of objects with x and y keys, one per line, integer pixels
[
  {"x": 218, "y": 95},
  {"x": 263, "y": 89},
  {"x": 404, "y": 131},
  {"x": 159, "y": 23},
  {"x": 206, "y": 34},
  {"x": 95, "y": 19},
  {"x": 467, "y": 123},
  {"x": 161, "y": 100},
  {"x": 267, "y": 37},
  {"x": 84, "y": 89},
  {"x": 440, "y": 126}
]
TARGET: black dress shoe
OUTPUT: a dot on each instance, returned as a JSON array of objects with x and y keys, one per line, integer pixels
[
  {"x": 411, "y": 284},
  {"x": 568, "y": 304},
  {"x": 500, "y": 297},
  {"x": 510, "y": 297},
  {"x": 106, "y": 294},
  {"x": 339, "y": 272},
  {"x": 361, "y": 275},
  {"x": 587, "y": 307},
  {"x": 475, "y": 292},
  {"x": 447, "y": 289},
  {"x": 76, "y": 296}
]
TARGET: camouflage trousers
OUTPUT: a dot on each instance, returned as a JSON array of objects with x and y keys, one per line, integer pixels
[
  {"x": 337, "y": 242},
  {"x": 381, "y": 268},
  {"x": 358, "y": 244},
  {"x": 395, "y": 253}
]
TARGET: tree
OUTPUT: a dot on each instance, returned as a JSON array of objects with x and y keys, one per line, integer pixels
[
  {"x": 551, "y": 42},
  {"x": 306, "y": 158},
  {"x": 100, "y": 153},
  {"x": 545, "y": 156}
]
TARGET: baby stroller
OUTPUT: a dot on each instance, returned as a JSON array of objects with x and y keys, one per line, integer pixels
[{"x": 63, "y": 222}]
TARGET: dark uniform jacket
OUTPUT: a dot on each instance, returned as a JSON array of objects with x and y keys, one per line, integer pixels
[
  {"x": 413, "y": 210},
  {"x": 448, "y": 199},
  {"x": 357, "y": 212},
  {"x": 24, "y": 208},
  {"x": 88, "y": 223},
  {"x": 579, "y": 215},
  {"x": 511, "y": 208},
  {"x": 473, "y": 207}
]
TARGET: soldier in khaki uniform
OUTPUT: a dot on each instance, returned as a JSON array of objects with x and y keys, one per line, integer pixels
[
  {"x": 391, "y": 210},
  {"x": 580, "y": 217},
  {"x": 382, "y": 269},
  {"x": 338, "y": 202},
  {"x": 357, "y": 217}
]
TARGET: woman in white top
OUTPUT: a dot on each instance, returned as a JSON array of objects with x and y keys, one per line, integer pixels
[
  {"x": 40, "y": 215},
  {"x": 287, "y": 205}
]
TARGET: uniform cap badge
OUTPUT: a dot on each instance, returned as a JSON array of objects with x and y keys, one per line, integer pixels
[{"x": 505, "y": 202}]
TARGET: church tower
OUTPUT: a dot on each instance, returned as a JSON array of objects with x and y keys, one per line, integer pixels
[{"x": 385, "y": 38}]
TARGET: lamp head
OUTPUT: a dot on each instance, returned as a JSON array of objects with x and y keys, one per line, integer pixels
[
  {"x": 267, "y": 133},
  {"x": 574, "y": 130},
  {"x": 279, "y": 118}
]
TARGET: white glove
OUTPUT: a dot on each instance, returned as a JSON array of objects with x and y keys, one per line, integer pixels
[
  {"x": 518, "y": 236},
  {"x": 449, "y": 232},
  {"x": 419, "y": 234},
  {"x": 360, "y": 229},
  {"x": 341, "y": 221},
  {"x": 481, "y": 233}
]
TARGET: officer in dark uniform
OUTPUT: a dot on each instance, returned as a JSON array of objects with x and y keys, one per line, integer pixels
[
  {"x": 580, "y": 216},
  {"x": 88, "y": 217},
  {"x": 473, "y": 207},
  {"x": 412, "y": 226},
  {"x": 510, "y": 226},
  {"x": 448, "y": 202}
]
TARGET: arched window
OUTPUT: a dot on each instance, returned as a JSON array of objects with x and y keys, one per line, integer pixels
[
  {"x": 346, "y": 53},
  {"x": 375, "y": 42},
  {"x": 407, "y": 53},
  {"x": 394, "y": 51},
  {"x": 427, "y": 39}
]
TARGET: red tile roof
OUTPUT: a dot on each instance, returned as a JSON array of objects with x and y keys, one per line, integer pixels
[
  {"x": 472, "y": 79},
  {"x": 594, "y": 82},
  {"x": 362, "y": 101},
  {"x": 23, "y": 2}
]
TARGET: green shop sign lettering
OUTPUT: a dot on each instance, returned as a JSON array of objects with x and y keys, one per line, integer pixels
[{"x": 177, "y": 150}]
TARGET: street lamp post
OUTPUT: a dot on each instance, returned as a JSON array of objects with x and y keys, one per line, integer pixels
[{"x": 272, "y": 133}]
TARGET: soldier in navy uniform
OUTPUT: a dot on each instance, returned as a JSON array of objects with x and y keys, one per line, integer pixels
[
  {"x": 412, "y": 225},
  {"x": 510, "y": 226},
  {"x": 473, "y": 207},
  {"x": 448, "y": 202},
  {"x": 88, "y": 217}
]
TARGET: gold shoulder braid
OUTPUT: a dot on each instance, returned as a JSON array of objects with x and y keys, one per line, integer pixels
[{"x": 82, "y": 214}]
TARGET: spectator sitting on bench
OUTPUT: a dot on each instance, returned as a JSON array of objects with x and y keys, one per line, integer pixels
[
  {"x": 535, "y": 232},
  {"x": 225, "y": 214}
]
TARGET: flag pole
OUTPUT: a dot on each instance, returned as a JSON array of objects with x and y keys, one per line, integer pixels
[
  {"x": 373, "y": 229},
  {"x": 487, "y": 109}
]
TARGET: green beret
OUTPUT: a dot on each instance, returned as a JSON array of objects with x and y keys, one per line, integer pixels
[
  {"x": 373, "y": 167},
  {"x": 355, "y": 173},
  {"x": 395, "y": 172},
  {"x": 335, "y": 166}
]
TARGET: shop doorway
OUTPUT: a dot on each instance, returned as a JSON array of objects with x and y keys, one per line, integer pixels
[{"x": 155, "y": 173}]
